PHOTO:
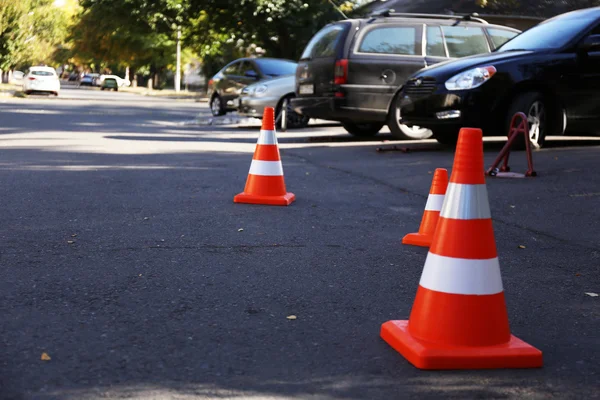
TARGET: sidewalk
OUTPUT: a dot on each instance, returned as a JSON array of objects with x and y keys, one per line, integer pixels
[
  {"x": 8, "y": 89},
  {"x": 143, "y": 91}
]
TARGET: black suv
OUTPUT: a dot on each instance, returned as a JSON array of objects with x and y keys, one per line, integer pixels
[
  {"x": 351, "y": 70},
  {"x": 550, "y": 72}
]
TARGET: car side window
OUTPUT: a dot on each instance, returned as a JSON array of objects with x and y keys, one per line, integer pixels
[
  {"x": 463, "y": 41},
  {"x": 500, "y": 36},
  {"x": 390, "y": 40},
  {"x": 248, "y": 69},
  {"x": 324, "y": 43},
  {"x": 435, "y": 42},
  {"x": 233, "y": 69}
]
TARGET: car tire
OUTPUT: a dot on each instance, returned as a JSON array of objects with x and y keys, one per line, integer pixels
[
  {"x": 27, "y": 92},
  {"x": 362, "y": 129},
  {"x": 534, "y": 106},
  {"x": 216, "y": 106},
  {"x": 293, "y": 119},
  {"x": 401, "y": 131}
]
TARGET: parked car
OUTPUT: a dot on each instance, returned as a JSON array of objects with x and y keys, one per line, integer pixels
[
  {"x": 89, "y": 80},
  {"x": 274, "y": 93},
  {"x": 120, "y": 81},
  {"x": 550, "y": 72},
  {"x": 41, "y": 80},
  {"x": 110, "y": 83},
  {"x": 225, "y": 87},
  {"x": 351, "y": 70}
]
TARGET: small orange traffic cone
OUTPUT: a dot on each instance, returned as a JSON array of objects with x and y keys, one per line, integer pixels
[
  {"x": 459, "y": 318},
  {"x": 431, "y": 214},
  {"x": 265, "y": 184}
]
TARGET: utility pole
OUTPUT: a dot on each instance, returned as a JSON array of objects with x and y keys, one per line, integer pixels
[{"x": 178, "y": 71}]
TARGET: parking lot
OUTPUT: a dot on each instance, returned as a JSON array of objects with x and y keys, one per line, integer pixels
[{"x": 127, "y": 263}]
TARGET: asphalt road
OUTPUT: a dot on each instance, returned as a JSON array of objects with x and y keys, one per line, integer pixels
[{"x": 125, "y": 260}]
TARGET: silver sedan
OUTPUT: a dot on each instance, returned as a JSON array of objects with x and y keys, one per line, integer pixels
[{"x": 274, "y": 93}]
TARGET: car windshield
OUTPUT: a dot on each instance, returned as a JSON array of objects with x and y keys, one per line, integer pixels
[
  {"x": 276, "y": 67},
  {"x": 552, "y": 34}
]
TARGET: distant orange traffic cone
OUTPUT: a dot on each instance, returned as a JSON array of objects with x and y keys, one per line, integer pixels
[
  {"x": 459, "y": 318},
  {"x": 431, "y": 214},
  {"x": 265, "y": 184}
]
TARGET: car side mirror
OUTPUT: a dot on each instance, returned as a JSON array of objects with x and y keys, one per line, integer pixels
[
  {"x": 590, "y": 43},
  {"x": 251, "y": 74}
]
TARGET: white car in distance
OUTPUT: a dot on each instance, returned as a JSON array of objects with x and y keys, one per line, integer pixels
[
  {"x": 41, "y": 80},
  {"x": 120, "y": 81}
]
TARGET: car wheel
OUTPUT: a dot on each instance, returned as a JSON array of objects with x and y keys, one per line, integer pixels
[
  {"x": 293, "y": 119},
  {"x": 534, "y": 106},
  {"x": 216, "y": 106},
  {"x": 362, "y": 129},
  {"x": 27, "y": 92},
  {"x": 401, "y": 131}
]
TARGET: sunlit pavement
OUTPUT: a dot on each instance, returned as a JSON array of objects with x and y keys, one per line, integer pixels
[{"x": 126, "y": 261}]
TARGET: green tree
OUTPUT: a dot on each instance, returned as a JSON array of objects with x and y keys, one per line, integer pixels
[{"x": 30, "y": 30}]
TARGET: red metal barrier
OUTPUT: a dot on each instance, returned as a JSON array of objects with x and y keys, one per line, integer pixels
[{"x": 515, "y": 130}]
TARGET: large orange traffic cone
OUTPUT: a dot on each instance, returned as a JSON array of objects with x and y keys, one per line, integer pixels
[
  {"x": 265, "y": 184},
  {"x": 459, "y": 318},
  {"x": 431, "y": 214}
]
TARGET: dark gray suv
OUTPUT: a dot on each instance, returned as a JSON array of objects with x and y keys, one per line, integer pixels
[{"x": 351, "y": 70}]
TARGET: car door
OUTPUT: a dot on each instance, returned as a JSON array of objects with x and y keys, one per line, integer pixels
[
  {"x": 588, "y": 65},
  {"x": 229, "y": 85},
  {"x": 383, "y": 56}
]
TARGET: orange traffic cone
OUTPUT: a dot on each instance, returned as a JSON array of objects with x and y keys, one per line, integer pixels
[
  {"x": 432, "y": 211},
  {"x": 459, "y": 318},
  {"x": 265, "y": 184}
]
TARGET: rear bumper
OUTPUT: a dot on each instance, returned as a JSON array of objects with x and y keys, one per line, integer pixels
[{"x": 335, "y": 109}]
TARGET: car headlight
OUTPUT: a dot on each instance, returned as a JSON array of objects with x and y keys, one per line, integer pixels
[
  {"x": 470, "y": 79},
  {"x": 261, "y": 89}
]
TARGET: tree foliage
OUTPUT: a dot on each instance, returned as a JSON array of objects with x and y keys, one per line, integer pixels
[{"x": 30, "y": 31}]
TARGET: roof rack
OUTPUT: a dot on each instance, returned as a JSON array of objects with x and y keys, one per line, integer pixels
[{"x": 466, "y": 17}]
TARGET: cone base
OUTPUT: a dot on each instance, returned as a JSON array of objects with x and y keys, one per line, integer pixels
[
  {"x": 283, "y": 200},
  {"x": 418, "y": 239},
  {"x": 424, "y": 355}
]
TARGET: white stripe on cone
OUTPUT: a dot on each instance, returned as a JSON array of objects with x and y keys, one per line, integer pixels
[
  {"x": 267, "y": 137},
  {"x": 461, "y": 276},
  {"x": 466, "y": 202},
  {"x": 266, "y": 168},
  {"x": 434, "y": 202}
]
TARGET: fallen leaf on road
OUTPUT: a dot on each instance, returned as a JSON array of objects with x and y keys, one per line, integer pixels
[
  {"x": 292, "y": 317},
  {"x": 521, "y": 246},
  {"x": 592, "y": 294},
  {"x": 45, "y": 357},
  {"x": 70, "y": 241},
  {"x": 577, "y": 274},
  {"x": 241, "y": 230}
]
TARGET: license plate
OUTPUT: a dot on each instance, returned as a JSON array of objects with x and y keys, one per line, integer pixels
[{"x": 306, "y": 89}]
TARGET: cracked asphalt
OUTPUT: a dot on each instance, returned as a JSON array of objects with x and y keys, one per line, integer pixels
[{"x": 125, "y": 260}]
